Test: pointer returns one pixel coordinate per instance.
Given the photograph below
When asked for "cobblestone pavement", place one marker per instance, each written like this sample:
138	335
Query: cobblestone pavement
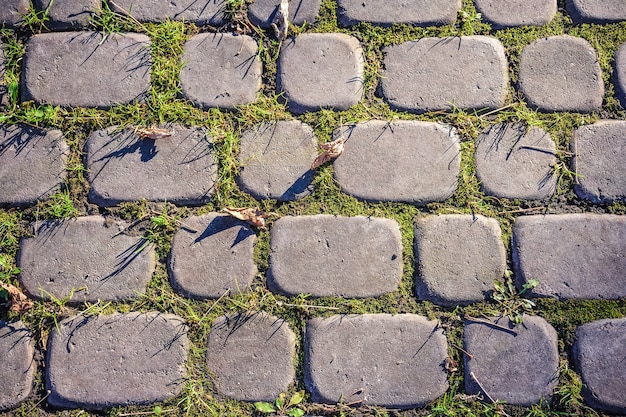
396	361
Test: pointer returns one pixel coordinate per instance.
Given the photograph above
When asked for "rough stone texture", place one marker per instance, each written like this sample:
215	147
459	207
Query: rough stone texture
212	254
105	361
561	73
17	364
328	256
69	14
458	258
276	160
572	255
519	366
442	73
620	74
514	161
502	14
320	70
32	164
597	352
388	12
78	69
262	12
180	169
377	359
596	11
406	161
12	11
221	70
599	158
205	12
251	356
85	255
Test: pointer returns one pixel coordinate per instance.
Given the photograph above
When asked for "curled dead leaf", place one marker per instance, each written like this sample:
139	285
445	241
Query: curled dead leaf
450	364
254	216
153	132
19	302
281	22
331	151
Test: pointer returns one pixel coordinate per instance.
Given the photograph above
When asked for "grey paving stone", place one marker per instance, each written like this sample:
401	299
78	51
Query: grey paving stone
212	254
32	164
599	157
406	161
85	255
210	12
69	14
561	73
442	73
320	70
458	258
515	161
276	160
596	11
262	12
251	356
332	256
572	255
517	12
386	13
78	69
221	70
12	11
17	364
597	352
121	166
620	74
376	359
122	359
519	366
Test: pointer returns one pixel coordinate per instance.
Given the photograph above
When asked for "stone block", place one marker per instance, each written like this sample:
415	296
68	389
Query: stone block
12	11
517	12
17	364
69	14
596	11
262	12
207	12
388	12
620	74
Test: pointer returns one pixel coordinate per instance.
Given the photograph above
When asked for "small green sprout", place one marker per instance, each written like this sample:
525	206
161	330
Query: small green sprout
281	407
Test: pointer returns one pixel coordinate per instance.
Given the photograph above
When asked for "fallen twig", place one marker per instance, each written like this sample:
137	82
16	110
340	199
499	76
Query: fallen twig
490	323
481	387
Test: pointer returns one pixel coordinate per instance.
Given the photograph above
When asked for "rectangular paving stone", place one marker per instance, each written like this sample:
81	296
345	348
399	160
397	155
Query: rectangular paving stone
469	72
515	364
599	158
250	356
596	11
275	160
458	258
561	73
577	256
17	364
404	161
116	360
620	74
320	71
597	352
88	255
262	12
221	70
122	166
375	359
503	14
206	12
388	12
12	11
332	256
212	254
32	164
80	69
69	14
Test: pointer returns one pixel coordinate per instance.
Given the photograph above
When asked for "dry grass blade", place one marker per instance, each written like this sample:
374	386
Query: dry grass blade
19	302
254	216
281	22
331	151
153	133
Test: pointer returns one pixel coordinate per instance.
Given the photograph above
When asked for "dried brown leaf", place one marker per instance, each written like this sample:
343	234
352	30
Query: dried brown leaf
281	22
331	151
153	133
254	216
19	302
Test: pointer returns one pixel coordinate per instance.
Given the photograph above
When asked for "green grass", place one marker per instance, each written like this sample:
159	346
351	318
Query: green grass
158	222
